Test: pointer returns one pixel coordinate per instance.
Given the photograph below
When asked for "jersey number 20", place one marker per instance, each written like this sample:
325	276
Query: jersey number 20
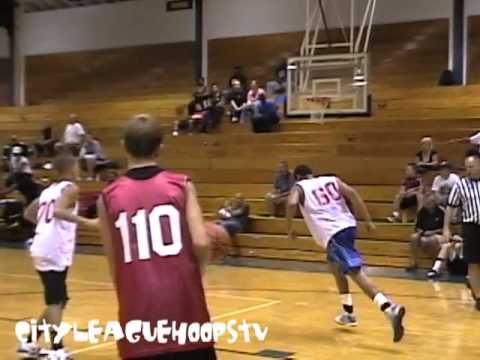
143	223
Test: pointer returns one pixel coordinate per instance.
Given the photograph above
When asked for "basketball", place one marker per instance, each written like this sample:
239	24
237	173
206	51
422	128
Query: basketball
220	240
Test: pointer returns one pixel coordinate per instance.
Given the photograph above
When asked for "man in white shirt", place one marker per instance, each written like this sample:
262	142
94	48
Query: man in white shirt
74	135
444	182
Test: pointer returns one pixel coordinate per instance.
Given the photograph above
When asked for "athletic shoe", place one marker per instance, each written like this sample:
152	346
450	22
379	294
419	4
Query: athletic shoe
60	354
28	350
346	319
433	274
395	314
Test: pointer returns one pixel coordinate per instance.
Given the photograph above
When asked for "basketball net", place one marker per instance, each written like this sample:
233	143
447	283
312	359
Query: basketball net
318	107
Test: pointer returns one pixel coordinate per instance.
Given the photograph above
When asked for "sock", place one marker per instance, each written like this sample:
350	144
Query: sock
437	266
382	301
347	303
55	346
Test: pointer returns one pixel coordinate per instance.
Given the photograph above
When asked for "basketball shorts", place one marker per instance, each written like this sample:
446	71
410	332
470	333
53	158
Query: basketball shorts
54	286
471	243
201	354
341	250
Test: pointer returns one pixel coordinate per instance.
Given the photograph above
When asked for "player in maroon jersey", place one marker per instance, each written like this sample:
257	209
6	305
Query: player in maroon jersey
156	243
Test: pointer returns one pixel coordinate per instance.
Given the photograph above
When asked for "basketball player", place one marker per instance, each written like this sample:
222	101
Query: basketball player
323	203
156	243
56	219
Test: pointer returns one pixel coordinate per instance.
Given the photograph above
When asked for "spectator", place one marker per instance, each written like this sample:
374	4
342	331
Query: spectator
238	74
428	234
216	108
74	135
276	200
91	155
7	150
18	162
427	157
238	100
409	196
234	215
443	183
266	116
46	146
253	100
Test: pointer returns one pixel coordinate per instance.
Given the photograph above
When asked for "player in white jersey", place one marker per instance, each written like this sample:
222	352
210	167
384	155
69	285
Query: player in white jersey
56	219
324	203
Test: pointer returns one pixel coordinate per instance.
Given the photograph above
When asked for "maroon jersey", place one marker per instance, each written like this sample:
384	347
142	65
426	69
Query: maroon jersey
157	274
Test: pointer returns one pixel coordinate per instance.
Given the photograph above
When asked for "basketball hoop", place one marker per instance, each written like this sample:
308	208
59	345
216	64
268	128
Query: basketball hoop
318	106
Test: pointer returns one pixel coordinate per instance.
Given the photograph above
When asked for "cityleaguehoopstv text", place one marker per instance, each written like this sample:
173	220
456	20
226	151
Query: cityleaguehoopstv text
134	331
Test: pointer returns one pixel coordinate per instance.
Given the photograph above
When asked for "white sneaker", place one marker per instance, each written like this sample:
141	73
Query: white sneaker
395	313
28	350
346	319
61	354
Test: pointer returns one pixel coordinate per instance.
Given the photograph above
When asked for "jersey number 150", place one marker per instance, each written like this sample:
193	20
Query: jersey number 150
143	224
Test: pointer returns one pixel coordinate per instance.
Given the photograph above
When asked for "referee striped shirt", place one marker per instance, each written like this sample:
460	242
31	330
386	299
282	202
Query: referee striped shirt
466	195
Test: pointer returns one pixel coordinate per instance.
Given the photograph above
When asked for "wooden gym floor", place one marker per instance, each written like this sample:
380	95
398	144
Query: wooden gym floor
298	308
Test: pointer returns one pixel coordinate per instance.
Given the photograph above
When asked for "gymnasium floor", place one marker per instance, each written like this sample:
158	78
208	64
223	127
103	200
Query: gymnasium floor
298	308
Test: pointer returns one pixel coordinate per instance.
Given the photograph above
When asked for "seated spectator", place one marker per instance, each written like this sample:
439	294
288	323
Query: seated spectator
238	100
443	183
74	135
18	162
46	146
266	116
216	108
91	155
428	234
427	157
234	216
239	75
276	88
276	200
25	184
409	196
7	150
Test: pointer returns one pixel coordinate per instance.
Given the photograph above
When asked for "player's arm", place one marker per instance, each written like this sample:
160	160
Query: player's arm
359	206
106	236
292	204
65	204
31	212
201	242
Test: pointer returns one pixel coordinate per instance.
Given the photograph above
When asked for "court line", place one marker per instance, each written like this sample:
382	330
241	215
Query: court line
214	318
229	296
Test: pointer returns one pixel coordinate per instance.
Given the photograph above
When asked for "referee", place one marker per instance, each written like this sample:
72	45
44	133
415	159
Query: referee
466	195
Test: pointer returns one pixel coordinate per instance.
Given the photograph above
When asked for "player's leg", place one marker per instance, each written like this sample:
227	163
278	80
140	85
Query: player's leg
342	250
474	280
348	317
395	217
392	311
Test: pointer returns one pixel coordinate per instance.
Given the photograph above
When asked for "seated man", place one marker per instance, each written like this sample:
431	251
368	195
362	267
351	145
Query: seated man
428	234
238	100
46	145
277	199
91	155
443	183
266	116
234	216
409	196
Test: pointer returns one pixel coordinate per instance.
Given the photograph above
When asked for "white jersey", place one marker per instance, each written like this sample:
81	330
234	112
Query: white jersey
54	240
324	209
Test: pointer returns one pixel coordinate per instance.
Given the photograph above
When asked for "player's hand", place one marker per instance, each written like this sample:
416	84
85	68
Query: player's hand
292	235
371	226
447	234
